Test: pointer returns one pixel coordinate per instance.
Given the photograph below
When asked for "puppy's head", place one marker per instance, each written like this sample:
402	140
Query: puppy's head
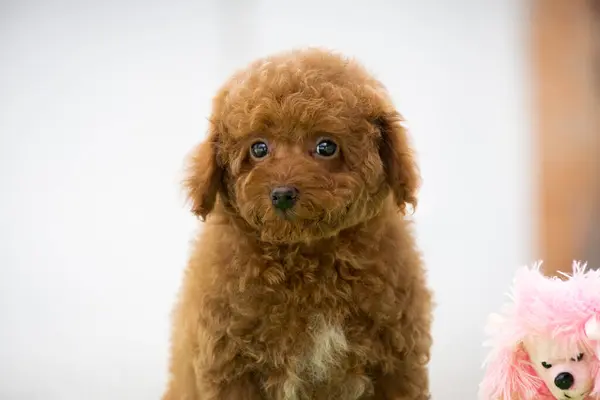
302	145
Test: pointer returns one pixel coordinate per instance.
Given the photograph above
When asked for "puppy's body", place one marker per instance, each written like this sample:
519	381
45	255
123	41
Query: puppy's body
327	300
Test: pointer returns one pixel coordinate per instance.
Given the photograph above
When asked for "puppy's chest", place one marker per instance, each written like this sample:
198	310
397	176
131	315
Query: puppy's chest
327	347
309	343
304	340
305	335
319	362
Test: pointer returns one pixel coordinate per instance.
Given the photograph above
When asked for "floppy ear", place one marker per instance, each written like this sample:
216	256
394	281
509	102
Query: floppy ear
398	160
203	176
509	375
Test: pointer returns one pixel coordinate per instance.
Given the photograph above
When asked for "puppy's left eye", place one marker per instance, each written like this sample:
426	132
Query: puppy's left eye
578	358
326	148
259	149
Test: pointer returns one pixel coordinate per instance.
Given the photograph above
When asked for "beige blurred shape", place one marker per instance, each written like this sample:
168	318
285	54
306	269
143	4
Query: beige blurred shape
566	94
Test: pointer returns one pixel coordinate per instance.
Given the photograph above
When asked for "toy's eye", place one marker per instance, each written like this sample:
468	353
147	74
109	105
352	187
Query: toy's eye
578	358
259	149
546	365
326	148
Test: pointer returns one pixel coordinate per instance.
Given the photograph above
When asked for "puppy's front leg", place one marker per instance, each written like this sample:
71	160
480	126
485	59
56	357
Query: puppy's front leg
408	343
194	376
408	383
224	378
241	389
204	364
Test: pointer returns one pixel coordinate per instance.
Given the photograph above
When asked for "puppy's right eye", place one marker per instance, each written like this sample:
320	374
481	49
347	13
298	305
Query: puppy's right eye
546	365
326	148
259	150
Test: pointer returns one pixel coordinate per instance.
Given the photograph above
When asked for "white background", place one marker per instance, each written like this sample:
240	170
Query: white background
100	102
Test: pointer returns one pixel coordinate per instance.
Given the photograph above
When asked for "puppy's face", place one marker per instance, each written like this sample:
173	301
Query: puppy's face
302	147
304	185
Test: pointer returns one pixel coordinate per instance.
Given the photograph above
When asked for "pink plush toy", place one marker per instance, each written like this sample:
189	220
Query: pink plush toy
546	342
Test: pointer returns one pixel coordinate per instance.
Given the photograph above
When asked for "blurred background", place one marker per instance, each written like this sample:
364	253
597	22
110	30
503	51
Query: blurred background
101	100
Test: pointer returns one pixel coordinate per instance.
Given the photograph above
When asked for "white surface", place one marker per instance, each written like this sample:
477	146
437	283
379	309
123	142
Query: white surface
100	101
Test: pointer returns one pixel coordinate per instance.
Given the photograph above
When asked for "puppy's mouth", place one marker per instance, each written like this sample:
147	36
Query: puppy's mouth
282	215
291	216
287	215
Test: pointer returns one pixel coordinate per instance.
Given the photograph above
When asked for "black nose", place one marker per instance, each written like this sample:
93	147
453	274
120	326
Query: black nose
284	197
564	380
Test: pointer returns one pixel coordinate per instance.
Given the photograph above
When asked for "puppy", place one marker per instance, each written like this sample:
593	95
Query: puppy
305	282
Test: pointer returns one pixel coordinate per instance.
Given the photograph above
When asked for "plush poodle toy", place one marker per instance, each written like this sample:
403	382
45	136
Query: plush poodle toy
545	343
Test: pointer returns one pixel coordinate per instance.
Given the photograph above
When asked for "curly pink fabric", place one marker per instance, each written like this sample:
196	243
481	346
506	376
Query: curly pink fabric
540	308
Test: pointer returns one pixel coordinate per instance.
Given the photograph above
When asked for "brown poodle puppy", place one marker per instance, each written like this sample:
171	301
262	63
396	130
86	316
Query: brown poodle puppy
305	282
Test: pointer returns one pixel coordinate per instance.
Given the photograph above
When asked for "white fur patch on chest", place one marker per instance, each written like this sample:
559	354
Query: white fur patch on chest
329	345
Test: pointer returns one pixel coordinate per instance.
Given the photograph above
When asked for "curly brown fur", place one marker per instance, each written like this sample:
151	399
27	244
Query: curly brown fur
327	300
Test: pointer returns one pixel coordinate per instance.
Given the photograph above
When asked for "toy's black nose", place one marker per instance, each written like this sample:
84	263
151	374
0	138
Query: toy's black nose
284	197
564	381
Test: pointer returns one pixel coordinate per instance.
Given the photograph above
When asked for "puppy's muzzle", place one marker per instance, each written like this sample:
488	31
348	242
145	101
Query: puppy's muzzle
284	197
